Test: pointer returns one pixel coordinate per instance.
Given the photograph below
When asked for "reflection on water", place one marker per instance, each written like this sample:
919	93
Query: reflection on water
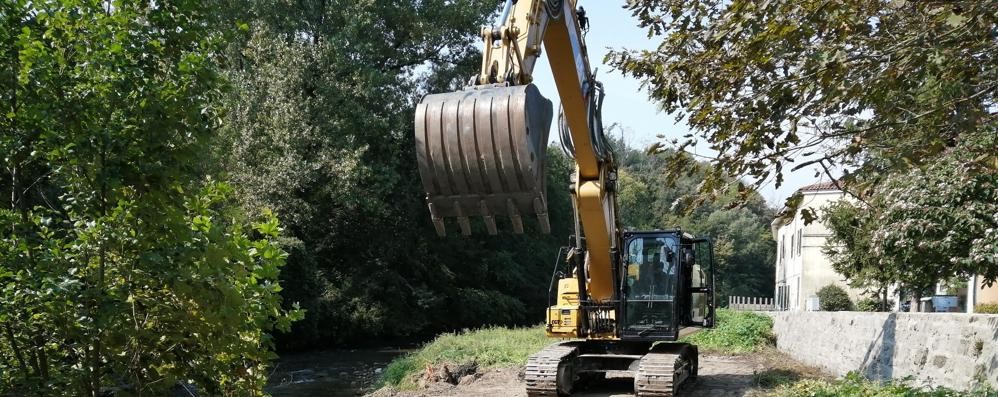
336	373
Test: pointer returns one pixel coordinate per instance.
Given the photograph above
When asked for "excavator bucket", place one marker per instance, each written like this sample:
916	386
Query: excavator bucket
481	153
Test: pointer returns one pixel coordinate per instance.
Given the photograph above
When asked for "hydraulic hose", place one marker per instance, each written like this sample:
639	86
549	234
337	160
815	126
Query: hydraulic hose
597	136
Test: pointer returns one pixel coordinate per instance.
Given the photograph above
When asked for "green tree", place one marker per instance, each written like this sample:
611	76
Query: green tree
901	94
940	221
924	226
743	243
875	86
875	304
320	128
123	266
850	249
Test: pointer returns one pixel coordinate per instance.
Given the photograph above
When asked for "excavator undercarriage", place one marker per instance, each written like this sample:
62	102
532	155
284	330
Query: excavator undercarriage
657	370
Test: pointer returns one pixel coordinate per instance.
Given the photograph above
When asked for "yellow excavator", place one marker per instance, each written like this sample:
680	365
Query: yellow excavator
624	298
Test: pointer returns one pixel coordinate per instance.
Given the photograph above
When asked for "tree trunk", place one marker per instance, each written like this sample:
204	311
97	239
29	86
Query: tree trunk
9	332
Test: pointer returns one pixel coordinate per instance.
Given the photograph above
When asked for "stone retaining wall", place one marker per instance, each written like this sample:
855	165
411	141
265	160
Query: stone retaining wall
935	349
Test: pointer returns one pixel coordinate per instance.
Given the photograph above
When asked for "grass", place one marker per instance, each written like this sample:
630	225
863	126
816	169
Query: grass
489	347
735	333
775	377
854	385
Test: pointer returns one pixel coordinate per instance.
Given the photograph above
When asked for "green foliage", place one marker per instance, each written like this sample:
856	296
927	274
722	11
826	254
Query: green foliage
743	242
986	308
489	347
123	264
882	89
833	298
874	305
320	128
925	225
854	385
938	222
735	332
876	86
849	247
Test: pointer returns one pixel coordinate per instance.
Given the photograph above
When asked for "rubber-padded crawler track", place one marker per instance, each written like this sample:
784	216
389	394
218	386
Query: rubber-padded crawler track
541	375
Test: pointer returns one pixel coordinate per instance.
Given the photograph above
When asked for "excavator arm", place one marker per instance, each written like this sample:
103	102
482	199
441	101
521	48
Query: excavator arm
481	150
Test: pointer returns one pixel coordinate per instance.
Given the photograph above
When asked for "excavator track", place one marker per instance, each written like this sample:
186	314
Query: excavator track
661	373
546	368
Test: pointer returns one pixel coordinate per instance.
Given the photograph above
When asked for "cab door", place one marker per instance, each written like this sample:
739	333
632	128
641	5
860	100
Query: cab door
702	284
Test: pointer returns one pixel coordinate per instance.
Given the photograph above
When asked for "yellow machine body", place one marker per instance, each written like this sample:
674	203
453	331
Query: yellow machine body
563	317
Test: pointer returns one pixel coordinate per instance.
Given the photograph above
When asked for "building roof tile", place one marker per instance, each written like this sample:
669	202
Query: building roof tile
829	185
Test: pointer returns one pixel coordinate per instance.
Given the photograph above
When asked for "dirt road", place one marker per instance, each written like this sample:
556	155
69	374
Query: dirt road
720	376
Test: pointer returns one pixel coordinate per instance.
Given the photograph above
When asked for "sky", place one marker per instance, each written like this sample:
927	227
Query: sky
626	103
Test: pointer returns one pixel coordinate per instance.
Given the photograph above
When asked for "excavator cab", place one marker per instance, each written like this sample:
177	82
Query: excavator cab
668	284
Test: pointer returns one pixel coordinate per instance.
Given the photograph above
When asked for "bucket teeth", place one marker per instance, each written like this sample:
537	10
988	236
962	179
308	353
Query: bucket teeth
490	221
542	215
438	221
484	149
462	220
514	216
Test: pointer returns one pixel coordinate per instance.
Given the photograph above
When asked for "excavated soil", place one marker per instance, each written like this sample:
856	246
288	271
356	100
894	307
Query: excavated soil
720	376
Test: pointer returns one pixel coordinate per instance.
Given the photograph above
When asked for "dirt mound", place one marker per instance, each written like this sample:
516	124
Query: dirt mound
453	374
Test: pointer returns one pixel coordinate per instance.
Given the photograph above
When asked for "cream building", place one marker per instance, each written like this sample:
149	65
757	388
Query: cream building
801	266
978	293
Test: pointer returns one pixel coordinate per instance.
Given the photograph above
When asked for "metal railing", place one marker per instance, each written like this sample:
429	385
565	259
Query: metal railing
751	303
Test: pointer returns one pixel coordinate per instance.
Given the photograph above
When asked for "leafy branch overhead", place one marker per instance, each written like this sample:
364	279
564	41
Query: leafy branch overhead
849	89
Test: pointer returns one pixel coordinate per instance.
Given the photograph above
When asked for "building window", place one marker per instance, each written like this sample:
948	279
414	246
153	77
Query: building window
792	245
783	243
800	241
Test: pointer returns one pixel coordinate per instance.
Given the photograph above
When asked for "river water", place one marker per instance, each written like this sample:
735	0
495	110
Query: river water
335	373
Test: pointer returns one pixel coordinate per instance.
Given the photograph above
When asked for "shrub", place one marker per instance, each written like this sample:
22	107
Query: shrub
735	332
986	308
874	305
833	298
